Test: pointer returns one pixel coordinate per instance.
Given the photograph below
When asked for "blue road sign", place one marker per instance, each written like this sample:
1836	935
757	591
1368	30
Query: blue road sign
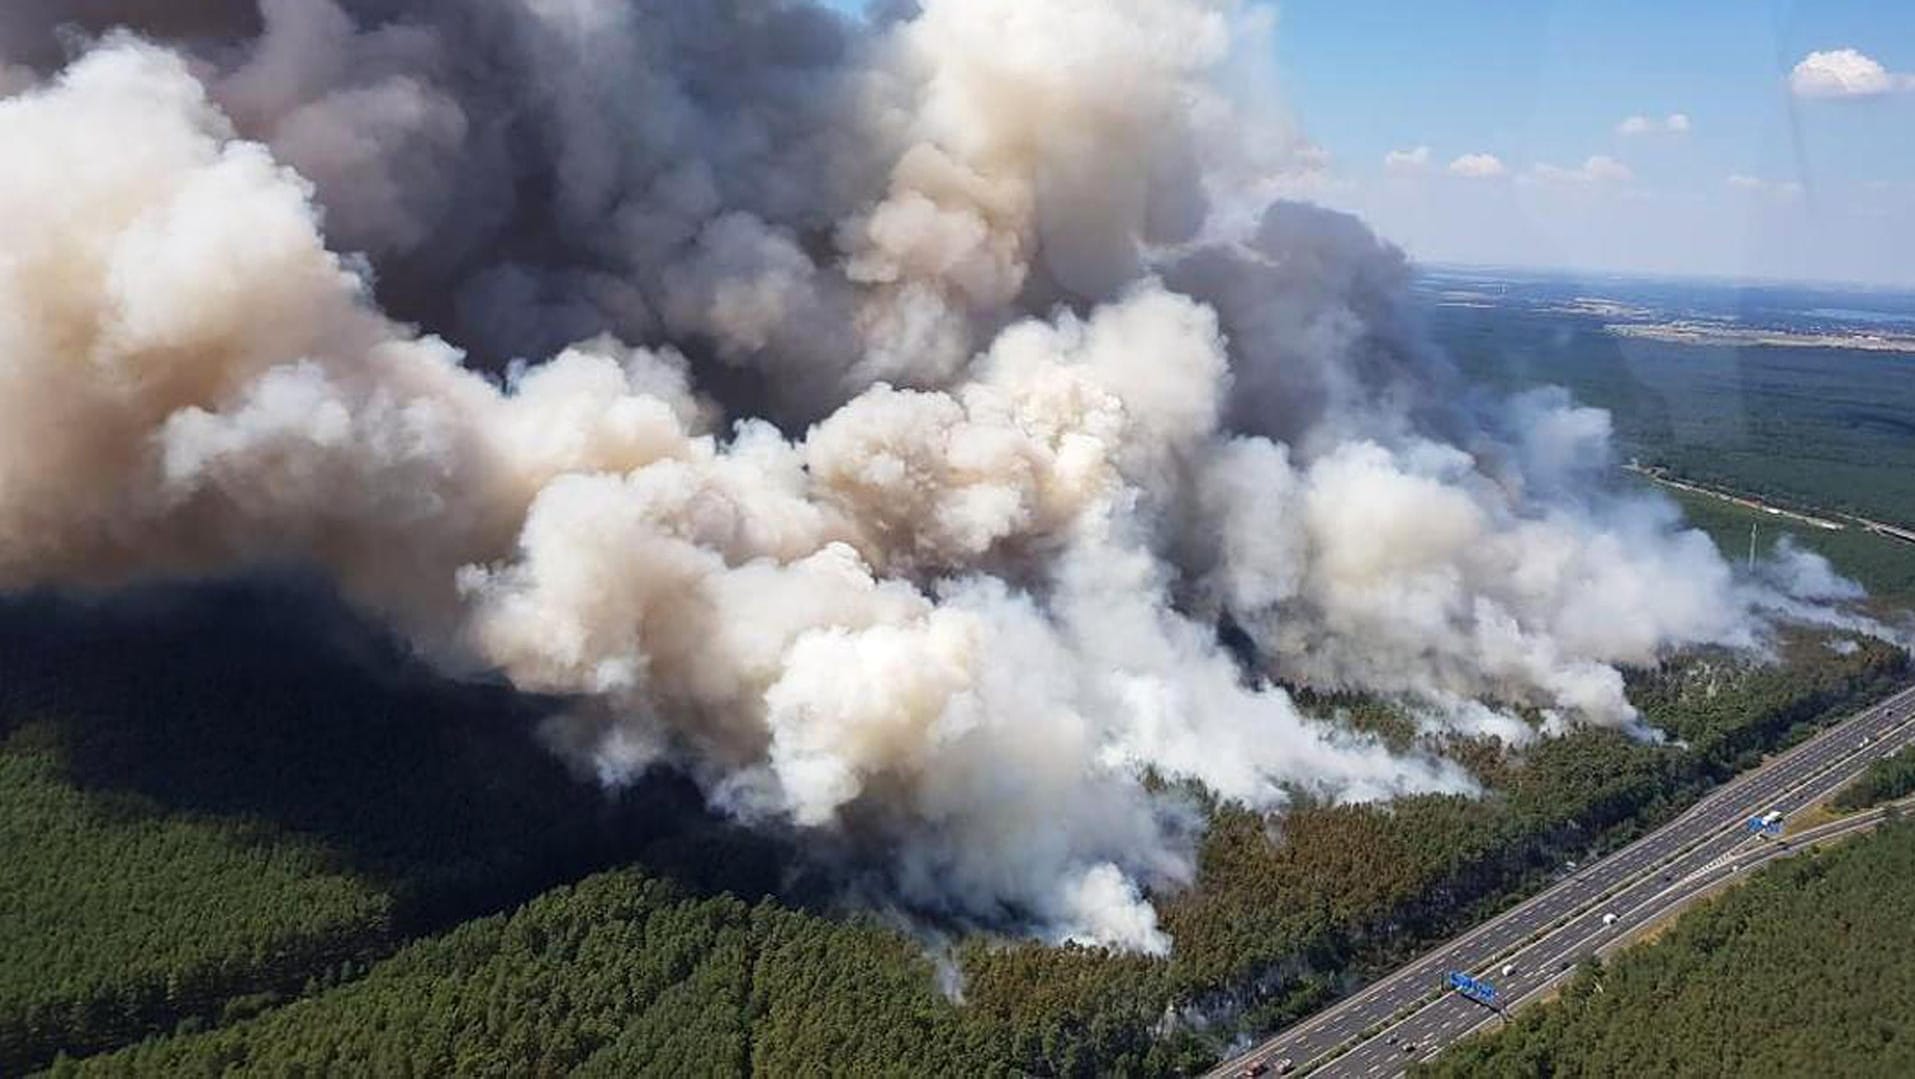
1475	988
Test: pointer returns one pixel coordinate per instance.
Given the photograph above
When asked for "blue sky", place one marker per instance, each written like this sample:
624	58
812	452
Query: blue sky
1824	186
1756	180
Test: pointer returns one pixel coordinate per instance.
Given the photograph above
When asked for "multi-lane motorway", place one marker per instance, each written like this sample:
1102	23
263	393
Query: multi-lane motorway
1408	1015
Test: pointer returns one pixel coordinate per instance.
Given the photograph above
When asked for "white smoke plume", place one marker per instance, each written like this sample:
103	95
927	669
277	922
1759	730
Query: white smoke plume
875	422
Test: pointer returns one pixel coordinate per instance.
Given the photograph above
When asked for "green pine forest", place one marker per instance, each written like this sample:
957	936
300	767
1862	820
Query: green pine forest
1806	969
244	830
1886	780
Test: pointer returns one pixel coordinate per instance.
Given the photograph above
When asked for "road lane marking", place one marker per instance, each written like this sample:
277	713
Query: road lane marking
1826	745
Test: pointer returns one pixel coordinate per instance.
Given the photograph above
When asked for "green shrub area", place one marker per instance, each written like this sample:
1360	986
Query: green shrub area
620	975
367	804
212	797
1886	779
115	913
1728	709
572	975
1806	969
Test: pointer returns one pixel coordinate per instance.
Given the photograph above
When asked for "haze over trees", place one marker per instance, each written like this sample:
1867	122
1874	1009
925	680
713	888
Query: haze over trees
1823	429
221	836
823	422
636	534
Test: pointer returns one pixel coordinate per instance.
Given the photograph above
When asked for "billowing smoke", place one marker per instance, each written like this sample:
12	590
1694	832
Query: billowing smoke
875	421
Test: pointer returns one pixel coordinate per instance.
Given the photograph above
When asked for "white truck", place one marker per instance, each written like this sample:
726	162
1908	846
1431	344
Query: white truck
1772	818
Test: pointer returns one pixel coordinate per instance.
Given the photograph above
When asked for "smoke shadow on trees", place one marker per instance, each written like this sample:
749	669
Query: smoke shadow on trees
266	699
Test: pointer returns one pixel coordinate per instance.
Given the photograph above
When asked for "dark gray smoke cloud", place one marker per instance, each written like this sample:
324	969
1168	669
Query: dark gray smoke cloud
873	420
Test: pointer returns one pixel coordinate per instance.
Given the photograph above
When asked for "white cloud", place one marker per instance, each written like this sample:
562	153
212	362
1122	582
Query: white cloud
1405	162
1845	73
1598	169
1478	166
1780	190
1676	123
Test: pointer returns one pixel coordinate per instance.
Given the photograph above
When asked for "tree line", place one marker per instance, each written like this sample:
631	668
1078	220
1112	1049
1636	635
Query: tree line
229	844
1808	968
1885	780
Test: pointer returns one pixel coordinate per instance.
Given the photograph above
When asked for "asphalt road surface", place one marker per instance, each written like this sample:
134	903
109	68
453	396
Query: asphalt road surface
1409	1014
1543	967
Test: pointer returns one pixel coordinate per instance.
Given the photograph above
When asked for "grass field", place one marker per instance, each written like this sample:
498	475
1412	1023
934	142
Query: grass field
1884	566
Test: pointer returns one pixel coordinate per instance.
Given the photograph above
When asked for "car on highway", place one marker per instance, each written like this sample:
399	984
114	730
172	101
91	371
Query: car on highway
1636	864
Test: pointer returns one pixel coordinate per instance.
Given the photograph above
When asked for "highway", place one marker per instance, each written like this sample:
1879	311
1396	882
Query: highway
1408	1015
1543	967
